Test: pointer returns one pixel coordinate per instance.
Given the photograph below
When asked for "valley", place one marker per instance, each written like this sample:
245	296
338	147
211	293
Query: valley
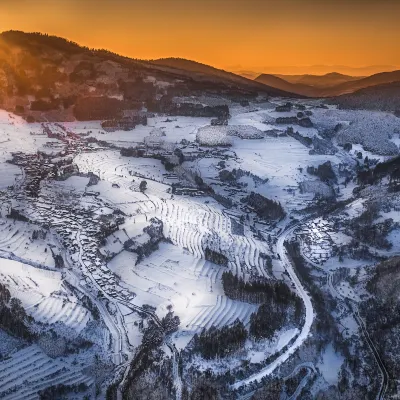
108	267
170	230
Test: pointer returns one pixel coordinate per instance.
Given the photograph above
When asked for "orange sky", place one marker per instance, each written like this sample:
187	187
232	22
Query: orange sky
235	34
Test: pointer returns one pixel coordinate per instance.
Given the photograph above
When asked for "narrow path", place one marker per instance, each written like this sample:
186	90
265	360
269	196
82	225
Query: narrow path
310	369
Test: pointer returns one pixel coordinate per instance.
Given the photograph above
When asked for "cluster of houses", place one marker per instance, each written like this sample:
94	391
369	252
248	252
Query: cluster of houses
78	228
81	234
56	164
316	241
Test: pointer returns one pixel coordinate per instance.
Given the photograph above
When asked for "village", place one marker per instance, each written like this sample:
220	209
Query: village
316	241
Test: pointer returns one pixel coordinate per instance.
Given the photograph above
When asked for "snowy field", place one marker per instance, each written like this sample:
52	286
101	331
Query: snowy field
92	228
173	276
16	237
43	294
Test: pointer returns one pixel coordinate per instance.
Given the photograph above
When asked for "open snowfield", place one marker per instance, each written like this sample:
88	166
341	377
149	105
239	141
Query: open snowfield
283	161
173	276
18	135
174	128
8	175
110	166
330	365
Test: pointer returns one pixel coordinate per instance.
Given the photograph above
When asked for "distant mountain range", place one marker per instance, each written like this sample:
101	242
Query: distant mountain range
322	81
312	70
329	85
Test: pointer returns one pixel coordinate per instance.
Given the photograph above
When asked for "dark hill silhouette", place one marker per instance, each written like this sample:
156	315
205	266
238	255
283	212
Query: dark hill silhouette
376	79
327	80
198	69
328	90
282	84
384	97
59	75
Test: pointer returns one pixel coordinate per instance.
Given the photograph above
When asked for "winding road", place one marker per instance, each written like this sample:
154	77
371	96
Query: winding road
309	312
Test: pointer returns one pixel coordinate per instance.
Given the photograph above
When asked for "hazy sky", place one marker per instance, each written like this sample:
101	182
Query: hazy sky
224	33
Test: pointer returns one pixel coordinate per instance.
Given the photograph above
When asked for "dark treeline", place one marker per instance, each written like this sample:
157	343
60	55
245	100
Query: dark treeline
215	257
13	316
170	322
214	342
323	303
60	391
132	152
264	207
382	313
364	229
17	216
389	168
150	371
233	176
324	172
280	304
273	316
256	291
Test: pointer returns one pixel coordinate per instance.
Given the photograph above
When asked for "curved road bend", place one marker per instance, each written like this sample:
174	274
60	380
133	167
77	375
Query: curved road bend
309	317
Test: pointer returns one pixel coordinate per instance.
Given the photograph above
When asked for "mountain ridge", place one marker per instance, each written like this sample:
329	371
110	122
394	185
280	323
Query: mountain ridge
382	97
59	74
330	91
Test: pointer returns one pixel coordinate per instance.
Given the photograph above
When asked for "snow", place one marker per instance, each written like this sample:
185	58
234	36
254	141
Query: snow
16	238
172	276
330	365
176	273
394	238
16	136
285	337
214	136
8	344
371	129
30	370
42	294
8	175
188	127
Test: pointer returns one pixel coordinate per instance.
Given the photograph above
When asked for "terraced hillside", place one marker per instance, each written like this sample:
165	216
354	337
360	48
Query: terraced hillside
29	370
117	245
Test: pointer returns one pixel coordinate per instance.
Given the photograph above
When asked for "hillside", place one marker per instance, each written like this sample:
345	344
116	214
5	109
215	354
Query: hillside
376	79
322	81
282	84
202	69
323	86
385	97
48	78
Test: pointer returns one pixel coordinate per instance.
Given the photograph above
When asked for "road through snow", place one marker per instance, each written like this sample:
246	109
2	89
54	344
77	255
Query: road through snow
309	317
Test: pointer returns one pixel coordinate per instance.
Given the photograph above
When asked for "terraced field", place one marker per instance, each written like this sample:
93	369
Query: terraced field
29	370
43	294
16	238
55	309
225	312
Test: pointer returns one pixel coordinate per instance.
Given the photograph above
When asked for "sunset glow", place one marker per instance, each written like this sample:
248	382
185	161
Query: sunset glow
236	34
